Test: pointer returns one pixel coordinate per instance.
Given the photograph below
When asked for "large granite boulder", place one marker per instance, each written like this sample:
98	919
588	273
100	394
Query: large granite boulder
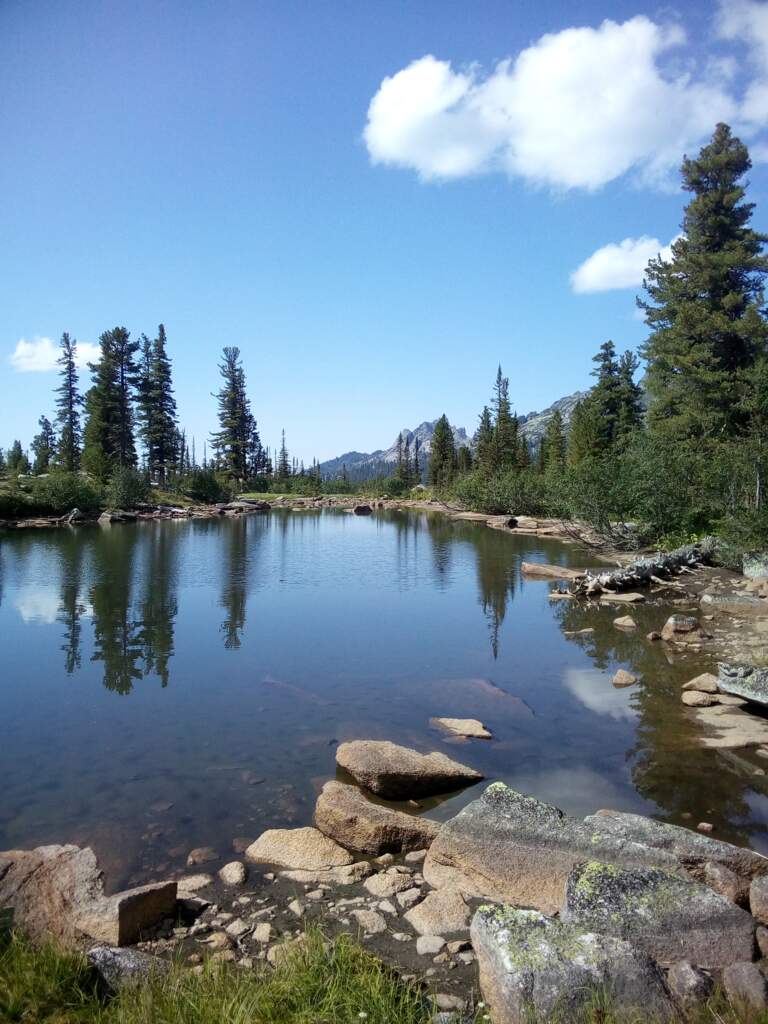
513	848
399	773
744	681
668	917
534	967
57	893
299	849
345	814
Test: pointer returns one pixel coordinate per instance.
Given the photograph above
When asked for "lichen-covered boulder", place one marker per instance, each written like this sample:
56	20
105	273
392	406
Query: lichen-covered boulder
513	848
755	564
744	681
668	917
399	773
118	967
533	966
345	814
735	604
681	629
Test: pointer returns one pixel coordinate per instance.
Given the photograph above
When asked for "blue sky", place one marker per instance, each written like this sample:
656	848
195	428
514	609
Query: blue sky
376	201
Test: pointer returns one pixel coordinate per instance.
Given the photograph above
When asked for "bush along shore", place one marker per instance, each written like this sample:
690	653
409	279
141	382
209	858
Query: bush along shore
511	911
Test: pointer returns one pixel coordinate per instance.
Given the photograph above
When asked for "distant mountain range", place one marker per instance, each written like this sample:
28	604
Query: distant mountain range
366	465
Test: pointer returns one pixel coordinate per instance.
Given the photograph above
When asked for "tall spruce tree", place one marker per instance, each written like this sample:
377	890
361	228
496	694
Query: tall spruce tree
16	460
553	445
109	437
157	407
704	305
68	404
630	398
43	446
283	468
233	440
484	442
585	439
505	447
442	460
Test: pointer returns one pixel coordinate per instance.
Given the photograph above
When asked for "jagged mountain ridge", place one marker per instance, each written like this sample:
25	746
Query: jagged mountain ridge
366	465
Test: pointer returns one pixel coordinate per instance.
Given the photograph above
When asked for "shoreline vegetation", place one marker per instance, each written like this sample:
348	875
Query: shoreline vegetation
659	461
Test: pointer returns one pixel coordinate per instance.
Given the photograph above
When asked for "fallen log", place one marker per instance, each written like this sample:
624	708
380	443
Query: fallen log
643	571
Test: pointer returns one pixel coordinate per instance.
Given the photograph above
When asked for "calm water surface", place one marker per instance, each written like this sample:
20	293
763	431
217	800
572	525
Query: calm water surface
178	684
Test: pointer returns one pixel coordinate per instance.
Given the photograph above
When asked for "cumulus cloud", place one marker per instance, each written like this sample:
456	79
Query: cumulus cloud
39	355
746	21
576	109
618	265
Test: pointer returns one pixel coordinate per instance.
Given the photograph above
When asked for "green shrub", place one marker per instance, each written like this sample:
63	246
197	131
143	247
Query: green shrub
60	492
521	492
127	488
206	486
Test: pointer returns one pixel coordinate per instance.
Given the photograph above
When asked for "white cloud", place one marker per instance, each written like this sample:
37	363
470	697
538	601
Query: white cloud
576	109
618	265
40	354
746	22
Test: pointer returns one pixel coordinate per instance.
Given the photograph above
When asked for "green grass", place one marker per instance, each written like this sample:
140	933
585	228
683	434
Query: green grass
337	983
317	982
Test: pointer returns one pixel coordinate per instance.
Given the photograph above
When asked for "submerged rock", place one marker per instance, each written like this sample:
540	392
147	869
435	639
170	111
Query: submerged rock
669	917
399	773
731	728
623	678
345	814
682	629
511	847
467	727
553	572
531	965
303	849
744	681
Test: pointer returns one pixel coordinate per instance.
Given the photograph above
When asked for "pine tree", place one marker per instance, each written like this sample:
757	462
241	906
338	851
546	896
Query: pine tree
585	439
442	461
157	407
484	442
463	460
704	306
43	446
68	404
505	446
399	464
630	398
416	461
605	394
234	439
108	437
3	464
407	468
283	468
553	445
16	459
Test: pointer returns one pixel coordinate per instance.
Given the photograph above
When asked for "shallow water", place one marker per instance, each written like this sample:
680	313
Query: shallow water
177	684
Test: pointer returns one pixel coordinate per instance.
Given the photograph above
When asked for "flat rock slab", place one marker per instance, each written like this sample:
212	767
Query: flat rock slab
550	572
57	893
399	773
346	874
730	728
744	681
304	849
442	912
346	815
513	848
631	598
668	917
534	967
470	728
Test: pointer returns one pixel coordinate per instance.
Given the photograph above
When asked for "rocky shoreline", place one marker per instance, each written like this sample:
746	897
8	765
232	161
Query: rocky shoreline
511	901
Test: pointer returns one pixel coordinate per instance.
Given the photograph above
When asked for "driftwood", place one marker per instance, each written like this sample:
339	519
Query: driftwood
641	571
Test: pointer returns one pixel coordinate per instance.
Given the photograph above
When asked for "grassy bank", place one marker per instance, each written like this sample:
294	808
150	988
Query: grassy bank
338	984
315	983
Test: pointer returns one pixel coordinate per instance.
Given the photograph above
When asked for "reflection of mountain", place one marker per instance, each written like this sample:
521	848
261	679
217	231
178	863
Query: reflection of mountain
668	766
